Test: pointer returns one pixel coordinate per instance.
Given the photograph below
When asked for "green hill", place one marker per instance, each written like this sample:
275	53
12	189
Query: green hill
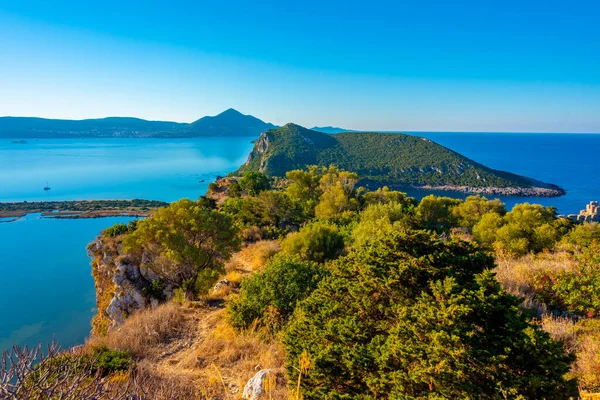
386	159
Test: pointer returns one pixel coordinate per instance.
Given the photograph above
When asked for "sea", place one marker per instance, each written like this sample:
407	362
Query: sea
46	288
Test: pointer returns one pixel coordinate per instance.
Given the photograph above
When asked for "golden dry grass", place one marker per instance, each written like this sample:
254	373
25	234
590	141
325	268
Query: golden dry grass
196	345
254	256
517	274
144	332
582	338
225	359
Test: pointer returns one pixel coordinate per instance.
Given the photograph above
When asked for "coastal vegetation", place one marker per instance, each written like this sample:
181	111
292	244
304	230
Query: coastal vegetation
321	288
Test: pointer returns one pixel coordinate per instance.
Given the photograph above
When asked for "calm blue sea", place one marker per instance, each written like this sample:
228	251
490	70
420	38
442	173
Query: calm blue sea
46	287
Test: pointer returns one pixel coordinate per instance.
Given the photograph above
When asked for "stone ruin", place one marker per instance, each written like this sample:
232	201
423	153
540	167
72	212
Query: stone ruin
590	214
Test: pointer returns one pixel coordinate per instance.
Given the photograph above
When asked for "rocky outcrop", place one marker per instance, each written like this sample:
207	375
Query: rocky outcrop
261	146
122	285
254	387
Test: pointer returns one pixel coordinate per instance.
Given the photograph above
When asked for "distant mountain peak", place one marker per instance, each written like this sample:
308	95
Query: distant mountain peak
230	122
230	111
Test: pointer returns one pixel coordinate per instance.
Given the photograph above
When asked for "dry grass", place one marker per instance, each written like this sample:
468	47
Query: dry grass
581	338
142	334
516	275
236	356
254	256
197	346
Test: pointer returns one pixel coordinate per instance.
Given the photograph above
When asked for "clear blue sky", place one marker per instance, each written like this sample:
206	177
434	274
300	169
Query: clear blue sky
388	65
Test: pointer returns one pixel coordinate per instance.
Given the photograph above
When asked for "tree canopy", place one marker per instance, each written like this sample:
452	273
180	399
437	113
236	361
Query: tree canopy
179	241
408	316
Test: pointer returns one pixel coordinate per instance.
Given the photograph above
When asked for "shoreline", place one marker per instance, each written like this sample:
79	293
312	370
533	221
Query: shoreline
78	209
490	191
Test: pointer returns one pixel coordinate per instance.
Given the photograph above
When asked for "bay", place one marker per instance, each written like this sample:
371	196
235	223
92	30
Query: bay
46	287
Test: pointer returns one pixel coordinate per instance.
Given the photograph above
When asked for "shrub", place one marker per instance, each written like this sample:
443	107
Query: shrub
337	189
379	220
254	182
470	211
576	290
272	213
317	242
205	281
108	361
268	298
155	290
116	230
178	242
526	228
582	235
435	213
213	187
411	317
234	189
384	196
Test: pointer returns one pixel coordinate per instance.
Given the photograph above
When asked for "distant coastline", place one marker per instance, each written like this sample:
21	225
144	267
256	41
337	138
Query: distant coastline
80	209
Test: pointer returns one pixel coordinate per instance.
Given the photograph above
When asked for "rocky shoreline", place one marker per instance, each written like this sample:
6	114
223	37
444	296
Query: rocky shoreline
488	191
499	191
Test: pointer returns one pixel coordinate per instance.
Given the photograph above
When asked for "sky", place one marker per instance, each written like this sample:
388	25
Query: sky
522	66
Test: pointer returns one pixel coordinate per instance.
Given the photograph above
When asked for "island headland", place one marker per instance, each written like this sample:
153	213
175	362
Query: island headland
395	160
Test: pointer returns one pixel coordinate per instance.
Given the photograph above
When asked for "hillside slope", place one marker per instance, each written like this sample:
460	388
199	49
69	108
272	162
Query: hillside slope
386	159
229	123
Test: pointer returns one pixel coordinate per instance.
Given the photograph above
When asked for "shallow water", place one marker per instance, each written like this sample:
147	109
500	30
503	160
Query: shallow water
46	285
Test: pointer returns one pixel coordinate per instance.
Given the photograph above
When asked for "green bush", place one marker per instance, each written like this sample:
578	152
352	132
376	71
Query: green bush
411	317
254	183
205	281
317	242
379	220
116	230
435	213
470	211
213	187
268	298
576	291
526	228
108	361
582	236
234	189
182	240
271	211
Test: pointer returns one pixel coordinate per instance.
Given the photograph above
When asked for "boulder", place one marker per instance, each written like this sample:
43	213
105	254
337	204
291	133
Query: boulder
254	387
220	284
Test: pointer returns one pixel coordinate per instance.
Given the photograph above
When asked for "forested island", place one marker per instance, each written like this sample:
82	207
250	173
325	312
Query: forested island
81	208
393	160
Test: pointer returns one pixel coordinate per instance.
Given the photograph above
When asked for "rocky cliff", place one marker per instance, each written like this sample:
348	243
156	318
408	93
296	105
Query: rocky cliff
122	285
